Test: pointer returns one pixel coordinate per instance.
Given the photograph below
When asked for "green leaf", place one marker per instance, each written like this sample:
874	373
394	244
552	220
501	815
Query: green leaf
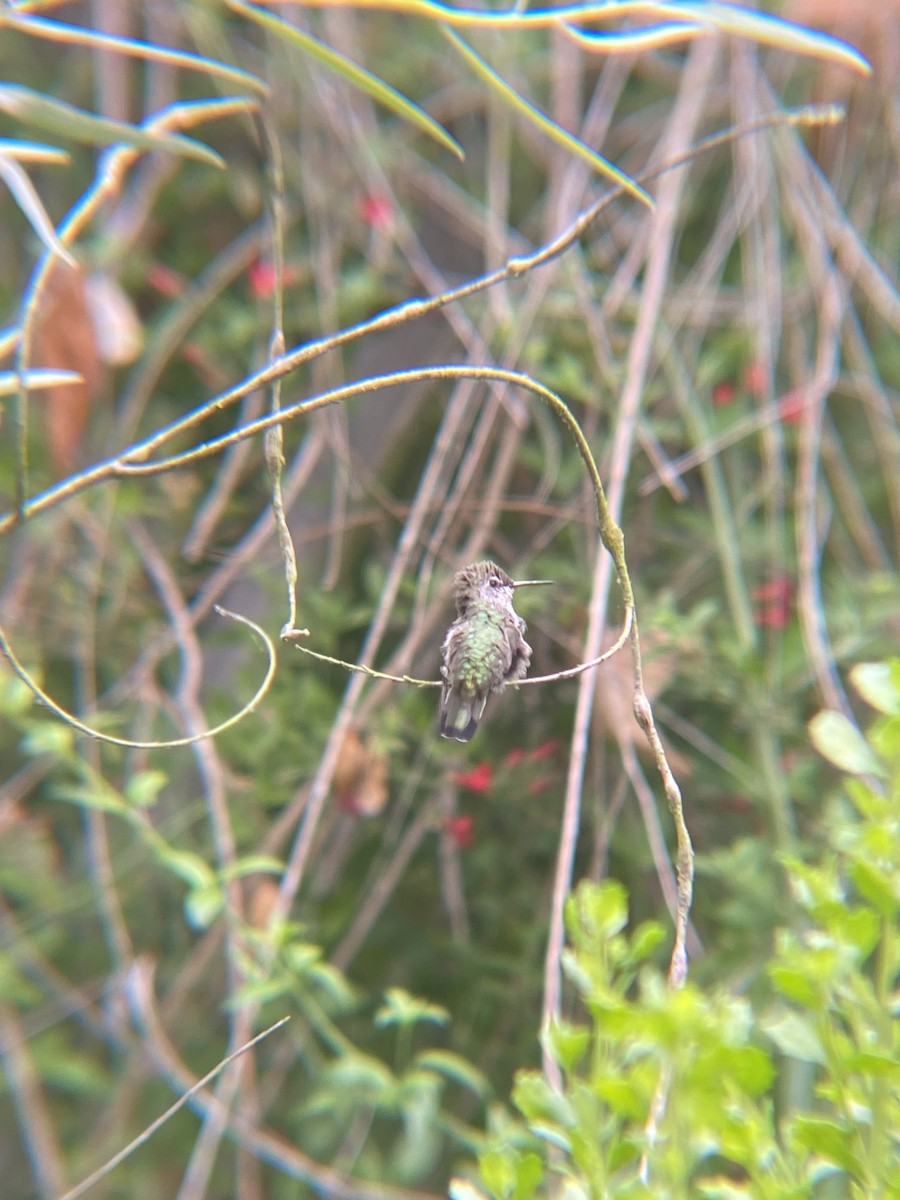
98	796
358	76
826	1138
857	927
529	1172
64	120
750	1068
498	1170
142	789
879	685
623	1095
645	939
253	864
795	1037
258	992
568	1043
453	1066
880	888
16	697
363	1074
553	1135
597	911
536	1100
794	984
406	1010
49	737
882	1066
187	866
837	739
301	957
203	904
333	982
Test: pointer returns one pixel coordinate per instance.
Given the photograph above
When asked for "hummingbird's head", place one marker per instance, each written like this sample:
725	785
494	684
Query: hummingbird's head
482	580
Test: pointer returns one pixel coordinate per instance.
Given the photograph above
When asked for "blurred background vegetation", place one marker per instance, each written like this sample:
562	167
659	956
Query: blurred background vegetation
733	359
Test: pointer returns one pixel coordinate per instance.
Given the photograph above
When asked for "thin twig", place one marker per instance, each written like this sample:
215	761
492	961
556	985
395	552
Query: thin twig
268	1147
74	723
209	765
30	1106
555	677
409	310
190	1094
684	119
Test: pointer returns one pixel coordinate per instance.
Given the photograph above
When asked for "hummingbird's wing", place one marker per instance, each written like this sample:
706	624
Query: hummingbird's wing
466	686
519	653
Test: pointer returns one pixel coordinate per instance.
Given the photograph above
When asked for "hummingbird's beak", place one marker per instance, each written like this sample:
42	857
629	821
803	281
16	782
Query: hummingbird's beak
532	582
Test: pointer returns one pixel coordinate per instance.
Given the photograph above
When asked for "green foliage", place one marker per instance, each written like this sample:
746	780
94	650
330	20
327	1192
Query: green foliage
410	958
688	1093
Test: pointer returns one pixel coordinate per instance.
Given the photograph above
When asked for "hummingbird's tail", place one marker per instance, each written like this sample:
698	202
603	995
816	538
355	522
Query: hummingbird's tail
459	715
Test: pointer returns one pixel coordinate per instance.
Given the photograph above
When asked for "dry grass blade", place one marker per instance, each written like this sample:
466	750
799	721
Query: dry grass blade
32	152
65	120
36	380
356	75
520	105
29	201
74	35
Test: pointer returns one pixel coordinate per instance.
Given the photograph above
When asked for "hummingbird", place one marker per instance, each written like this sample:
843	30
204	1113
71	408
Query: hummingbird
484	649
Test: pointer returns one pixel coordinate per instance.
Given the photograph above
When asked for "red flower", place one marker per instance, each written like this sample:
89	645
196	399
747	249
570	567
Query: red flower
514	758
479	779
461	830
539	785
791	406
723	393
377	211
262	278
545	750
775	602
166	281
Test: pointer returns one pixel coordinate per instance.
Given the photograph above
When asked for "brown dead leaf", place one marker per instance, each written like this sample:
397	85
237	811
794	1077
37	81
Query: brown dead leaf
372	792
263	893
117	326
613	712
64	339
360	781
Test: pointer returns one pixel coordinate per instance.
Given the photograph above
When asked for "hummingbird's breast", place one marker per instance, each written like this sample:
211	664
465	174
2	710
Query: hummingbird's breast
481	650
